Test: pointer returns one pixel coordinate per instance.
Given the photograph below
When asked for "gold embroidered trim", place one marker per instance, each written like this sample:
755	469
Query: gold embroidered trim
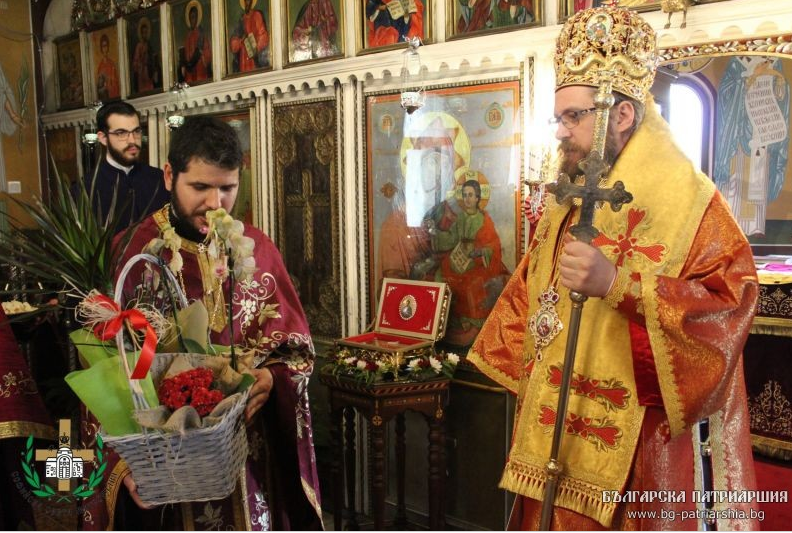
719	464
665	371
310	493
572	494
776	448
239	503
212	290
163	220
780	327
621	286
11	429
188	520
501	378
245	505
113	485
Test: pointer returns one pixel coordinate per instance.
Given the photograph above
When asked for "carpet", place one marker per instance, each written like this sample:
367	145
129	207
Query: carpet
773	475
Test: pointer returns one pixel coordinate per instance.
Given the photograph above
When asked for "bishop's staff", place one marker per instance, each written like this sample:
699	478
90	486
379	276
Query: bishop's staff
594	169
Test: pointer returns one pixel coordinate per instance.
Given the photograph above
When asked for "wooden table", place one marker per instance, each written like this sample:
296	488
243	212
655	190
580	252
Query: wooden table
379	403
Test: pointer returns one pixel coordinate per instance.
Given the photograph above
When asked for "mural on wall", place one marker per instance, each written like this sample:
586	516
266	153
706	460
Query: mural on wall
389	22
247	24
315	30
306	181
143	49
479	16
752	138
18	125
443	188
70	82
104	52
191	41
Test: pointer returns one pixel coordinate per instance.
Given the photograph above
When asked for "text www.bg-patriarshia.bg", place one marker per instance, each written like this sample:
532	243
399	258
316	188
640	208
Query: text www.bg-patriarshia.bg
697	514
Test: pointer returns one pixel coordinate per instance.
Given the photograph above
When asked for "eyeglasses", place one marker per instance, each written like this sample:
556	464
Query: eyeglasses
570	119
123	135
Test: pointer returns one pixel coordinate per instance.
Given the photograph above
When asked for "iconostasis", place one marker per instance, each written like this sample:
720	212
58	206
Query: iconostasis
336	171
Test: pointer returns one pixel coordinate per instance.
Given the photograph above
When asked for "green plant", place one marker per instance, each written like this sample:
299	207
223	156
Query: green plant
72	250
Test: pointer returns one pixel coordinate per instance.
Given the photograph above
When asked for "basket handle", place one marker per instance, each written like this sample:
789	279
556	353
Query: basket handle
137	391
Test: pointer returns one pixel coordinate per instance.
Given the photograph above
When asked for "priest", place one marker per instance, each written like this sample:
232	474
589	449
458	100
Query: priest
269	330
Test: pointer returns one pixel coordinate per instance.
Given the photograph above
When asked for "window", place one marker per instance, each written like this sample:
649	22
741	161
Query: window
687	121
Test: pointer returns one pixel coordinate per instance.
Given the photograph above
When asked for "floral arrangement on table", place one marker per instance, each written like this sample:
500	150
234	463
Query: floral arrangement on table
371	366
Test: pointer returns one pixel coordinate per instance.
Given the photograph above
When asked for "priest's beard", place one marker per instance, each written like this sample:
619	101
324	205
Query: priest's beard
180	220
123	158
572	154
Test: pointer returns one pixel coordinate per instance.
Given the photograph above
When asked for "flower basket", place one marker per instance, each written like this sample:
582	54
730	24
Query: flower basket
195	464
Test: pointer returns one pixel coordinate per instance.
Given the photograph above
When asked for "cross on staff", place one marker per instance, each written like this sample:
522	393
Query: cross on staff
64	441
594	168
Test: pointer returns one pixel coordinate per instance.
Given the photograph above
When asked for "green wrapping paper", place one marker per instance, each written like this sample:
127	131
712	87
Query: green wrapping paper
104	386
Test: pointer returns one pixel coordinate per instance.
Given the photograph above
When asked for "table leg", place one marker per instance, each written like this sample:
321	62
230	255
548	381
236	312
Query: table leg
436	472
400	521
377	433
349	417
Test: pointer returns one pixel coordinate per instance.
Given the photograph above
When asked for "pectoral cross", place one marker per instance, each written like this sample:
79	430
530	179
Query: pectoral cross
64	441
594	168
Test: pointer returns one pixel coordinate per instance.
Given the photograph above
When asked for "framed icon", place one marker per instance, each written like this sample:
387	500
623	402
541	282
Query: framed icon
191	41
444	194
70	81
387	24
314	30
144	48
247	36
104	56
475	17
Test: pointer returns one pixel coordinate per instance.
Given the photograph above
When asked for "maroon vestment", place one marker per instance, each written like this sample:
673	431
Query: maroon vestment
281	489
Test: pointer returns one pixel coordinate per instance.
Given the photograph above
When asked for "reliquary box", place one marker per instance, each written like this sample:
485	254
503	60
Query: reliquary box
411	317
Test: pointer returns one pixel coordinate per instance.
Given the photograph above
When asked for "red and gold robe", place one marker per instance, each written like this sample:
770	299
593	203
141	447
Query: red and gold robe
198	52
22	414
659	353
281	489
107	79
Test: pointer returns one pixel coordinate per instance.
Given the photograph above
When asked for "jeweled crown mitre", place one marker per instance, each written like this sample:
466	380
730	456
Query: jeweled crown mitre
607	43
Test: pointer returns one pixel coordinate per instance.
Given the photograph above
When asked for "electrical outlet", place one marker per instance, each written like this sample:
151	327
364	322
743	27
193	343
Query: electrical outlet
14	187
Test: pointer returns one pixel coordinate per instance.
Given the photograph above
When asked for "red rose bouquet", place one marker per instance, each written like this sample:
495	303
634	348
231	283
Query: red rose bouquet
192	387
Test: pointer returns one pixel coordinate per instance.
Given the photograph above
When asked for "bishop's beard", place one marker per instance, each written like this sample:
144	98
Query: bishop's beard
572	154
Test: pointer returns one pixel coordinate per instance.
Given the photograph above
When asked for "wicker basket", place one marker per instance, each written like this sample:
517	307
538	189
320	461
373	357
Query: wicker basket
198	465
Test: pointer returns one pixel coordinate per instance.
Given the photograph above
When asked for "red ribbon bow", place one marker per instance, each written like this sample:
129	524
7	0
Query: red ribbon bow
110	328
